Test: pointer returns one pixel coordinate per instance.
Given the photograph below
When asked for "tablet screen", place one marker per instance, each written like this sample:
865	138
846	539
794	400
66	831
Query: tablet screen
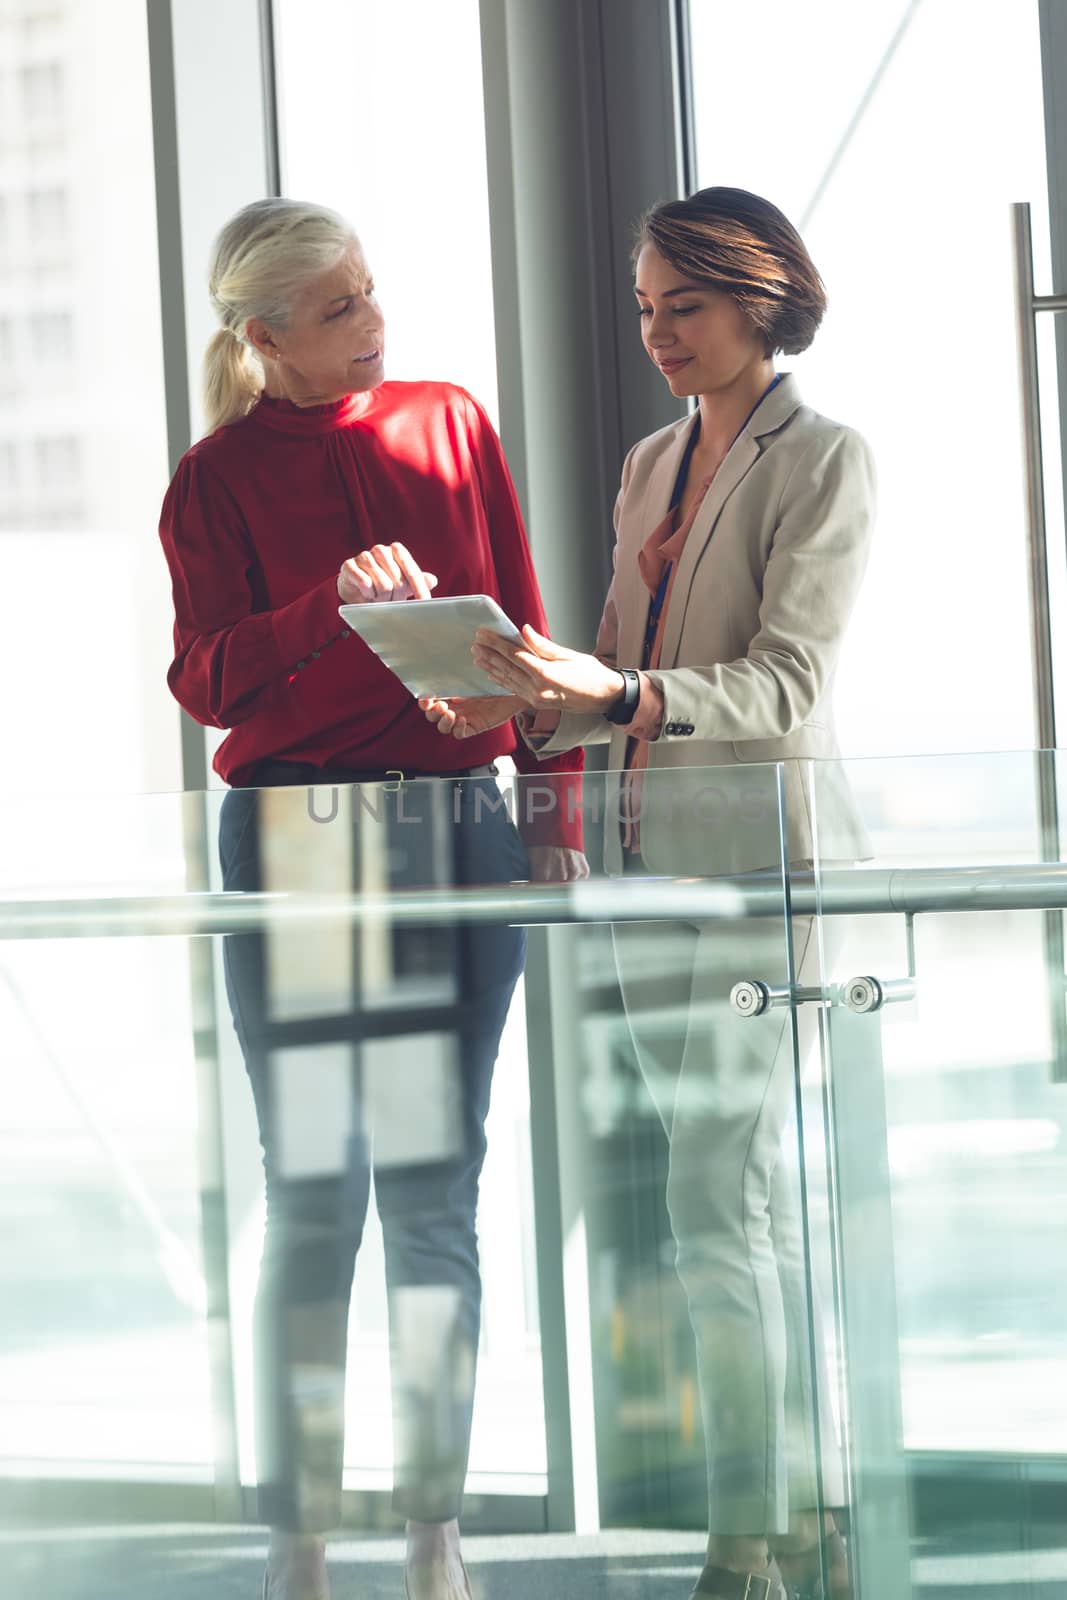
427	643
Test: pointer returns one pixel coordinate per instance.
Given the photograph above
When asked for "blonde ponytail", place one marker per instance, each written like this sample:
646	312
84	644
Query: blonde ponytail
261	259
232	379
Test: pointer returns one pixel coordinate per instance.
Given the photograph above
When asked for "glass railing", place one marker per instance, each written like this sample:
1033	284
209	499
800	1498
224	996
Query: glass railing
945	1099
770	1211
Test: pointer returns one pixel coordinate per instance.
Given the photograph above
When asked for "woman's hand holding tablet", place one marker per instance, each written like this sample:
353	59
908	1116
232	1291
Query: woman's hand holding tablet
427	644
466	717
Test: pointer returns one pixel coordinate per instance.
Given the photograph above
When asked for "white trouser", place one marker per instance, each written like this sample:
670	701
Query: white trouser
725	1089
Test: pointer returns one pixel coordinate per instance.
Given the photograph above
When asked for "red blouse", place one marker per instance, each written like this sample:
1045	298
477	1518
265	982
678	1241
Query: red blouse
255	526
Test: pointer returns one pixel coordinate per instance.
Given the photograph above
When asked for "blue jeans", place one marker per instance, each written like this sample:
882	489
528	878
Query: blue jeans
424	1146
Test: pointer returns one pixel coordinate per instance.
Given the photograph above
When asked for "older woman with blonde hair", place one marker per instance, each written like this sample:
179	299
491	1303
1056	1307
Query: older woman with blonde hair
319	483
742	534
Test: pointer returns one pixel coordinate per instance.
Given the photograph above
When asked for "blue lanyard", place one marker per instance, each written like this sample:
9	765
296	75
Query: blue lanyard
683	470
676	499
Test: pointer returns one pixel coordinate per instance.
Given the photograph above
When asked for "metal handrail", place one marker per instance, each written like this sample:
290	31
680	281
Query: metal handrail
854	891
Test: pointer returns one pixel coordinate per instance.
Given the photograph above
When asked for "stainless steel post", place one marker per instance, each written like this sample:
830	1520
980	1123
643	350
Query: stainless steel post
1027	306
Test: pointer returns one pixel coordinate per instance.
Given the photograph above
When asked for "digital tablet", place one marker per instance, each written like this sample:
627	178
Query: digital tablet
427	643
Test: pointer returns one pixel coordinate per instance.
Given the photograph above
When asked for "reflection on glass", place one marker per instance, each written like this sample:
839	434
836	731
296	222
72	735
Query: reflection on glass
715	1406
722	1087
370	1054
918	1177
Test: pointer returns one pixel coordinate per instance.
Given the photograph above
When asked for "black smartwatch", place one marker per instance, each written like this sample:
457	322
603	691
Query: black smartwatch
624	709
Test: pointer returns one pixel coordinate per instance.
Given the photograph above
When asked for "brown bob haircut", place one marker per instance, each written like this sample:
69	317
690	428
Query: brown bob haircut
743	246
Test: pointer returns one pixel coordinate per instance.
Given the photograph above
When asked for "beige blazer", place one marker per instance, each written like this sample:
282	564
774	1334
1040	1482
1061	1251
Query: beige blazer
761	600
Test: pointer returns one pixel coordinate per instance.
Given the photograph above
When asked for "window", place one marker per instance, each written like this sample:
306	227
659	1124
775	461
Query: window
875	136
47	215
41	91
58	464
52	336
99	1140
36	21
419	204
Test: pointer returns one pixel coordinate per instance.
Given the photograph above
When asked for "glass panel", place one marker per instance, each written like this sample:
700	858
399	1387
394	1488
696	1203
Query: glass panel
402	984
368	1027
704	1374
102	1275
873	132
946	1155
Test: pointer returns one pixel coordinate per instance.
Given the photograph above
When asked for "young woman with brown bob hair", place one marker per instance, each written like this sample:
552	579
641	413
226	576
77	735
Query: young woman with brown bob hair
742	534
